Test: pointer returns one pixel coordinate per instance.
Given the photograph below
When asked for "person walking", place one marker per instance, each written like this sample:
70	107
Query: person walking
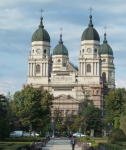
73	143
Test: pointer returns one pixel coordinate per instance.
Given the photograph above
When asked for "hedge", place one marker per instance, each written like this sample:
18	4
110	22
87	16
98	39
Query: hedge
23	139
14	146
110	146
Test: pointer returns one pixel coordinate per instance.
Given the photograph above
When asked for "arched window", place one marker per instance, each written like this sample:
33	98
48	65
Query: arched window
83	50
88	68
33	51
104	77
38	68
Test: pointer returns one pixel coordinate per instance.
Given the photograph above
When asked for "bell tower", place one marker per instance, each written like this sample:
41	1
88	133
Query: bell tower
40	60
89	58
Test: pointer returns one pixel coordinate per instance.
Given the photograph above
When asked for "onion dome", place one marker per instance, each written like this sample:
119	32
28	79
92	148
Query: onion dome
105	48
60	49
90	33
41	34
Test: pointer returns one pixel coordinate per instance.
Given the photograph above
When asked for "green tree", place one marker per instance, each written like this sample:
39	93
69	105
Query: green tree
114	104
58	120
33	106
123	123
117	122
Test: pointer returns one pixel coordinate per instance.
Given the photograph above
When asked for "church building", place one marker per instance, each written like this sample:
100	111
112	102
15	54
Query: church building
53	72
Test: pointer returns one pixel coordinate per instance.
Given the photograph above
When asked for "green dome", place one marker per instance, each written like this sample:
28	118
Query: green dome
60	49
105	48
41	34
90	33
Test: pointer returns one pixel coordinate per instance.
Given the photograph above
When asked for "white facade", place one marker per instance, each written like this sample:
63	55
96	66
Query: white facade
57	75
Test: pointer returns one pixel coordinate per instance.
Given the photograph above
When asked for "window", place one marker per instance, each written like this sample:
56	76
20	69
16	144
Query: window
104	77
97	92
59	60
104	60
83	50
95	50
45	51
38	69
88	68
33	51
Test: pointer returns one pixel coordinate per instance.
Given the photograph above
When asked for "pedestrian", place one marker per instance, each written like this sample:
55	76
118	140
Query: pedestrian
73	143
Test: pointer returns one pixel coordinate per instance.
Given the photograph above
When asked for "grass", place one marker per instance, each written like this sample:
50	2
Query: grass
92	140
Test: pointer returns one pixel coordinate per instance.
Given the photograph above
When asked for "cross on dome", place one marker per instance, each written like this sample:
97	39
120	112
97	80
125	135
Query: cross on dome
61	30
105	28
90	9
41	11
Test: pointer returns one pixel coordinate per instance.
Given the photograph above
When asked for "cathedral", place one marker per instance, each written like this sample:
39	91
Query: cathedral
69	84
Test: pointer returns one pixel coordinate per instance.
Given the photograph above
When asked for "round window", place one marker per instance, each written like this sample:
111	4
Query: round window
59	60
104	60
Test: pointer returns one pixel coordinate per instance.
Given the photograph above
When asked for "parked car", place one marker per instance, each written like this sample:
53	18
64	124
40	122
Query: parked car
32	134
80	135
16	133
69	135
74	134
50	135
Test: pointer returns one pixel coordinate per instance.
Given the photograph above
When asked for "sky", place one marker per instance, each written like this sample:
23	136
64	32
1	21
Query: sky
19	19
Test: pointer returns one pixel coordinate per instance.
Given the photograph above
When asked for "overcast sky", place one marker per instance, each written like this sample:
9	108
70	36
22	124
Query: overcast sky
20	18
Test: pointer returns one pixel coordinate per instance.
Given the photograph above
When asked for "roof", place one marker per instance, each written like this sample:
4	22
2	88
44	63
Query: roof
105	48
90	33
41	34
60	49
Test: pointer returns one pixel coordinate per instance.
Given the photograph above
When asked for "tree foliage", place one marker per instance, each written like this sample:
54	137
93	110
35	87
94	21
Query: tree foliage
123	123
90	116
114	104
117	135
32	106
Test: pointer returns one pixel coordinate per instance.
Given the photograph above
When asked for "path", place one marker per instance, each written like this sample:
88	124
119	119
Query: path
59	144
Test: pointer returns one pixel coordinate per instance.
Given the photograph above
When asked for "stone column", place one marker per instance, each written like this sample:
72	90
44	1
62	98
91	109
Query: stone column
47	68
98	69
41	69
44	69
28	69
81	68
95	68
34	69
84	68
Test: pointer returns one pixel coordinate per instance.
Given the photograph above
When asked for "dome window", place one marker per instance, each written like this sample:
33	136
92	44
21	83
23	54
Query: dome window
95	50
44	50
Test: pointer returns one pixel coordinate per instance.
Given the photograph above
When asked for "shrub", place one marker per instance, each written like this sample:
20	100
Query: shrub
117	135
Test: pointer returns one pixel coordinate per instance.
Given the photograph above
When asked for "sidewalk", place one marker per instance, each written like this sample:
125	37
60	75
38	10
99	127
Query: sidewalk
59	144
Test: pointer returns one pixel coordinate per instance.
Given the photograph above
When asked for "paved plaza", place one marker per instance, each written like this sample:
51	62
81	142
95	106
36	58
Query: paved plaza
59	144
